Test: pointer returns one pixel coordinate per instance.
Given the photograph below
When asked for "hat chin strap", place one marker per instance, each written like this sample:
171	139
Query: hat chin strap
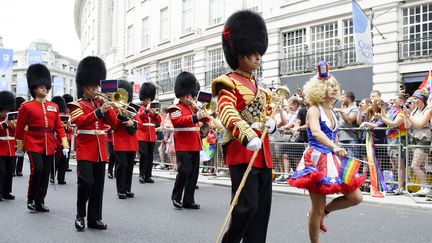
250	64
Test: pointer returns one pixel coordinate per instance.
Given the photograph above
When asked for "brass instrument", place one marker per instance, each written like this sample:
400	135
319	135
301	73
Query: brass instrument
119	100
215	121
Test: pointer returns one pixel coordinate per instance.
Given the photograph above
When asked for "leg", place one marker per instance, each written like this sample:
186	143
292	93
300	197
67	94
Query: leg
36	170
129	170
184	169
244	212
10	168
149	161
85	185
96	197
257	231
316	214
143	151
3	162
47	164
189	192
347	200
111	159
121	171
61	168
19	166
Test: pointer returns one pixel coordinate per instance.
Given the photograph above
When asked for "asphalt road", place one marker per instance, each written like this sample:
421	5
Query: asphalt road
150	217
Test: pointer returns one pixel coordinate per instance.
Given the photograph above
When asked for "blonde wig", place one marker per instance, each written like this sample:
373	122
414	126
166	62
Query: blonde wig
316	90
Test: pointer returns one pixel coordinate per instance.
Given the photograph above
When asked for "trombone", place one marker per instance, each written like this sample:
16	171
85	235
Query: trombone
119	101
209	109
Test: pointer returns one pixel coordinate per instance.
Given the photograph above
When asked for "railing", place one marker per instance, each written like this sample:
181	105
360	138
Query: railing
307	62
415	48
212	74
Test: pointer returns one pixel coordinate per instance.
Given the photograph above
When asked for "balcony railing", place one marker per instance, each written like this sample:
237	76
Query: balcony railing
212	74
307	62
415	48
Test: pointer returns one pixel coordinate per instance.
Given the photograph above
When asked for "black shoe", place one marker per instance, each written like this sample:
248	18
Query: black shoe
68	169
42	208
9	196
177	204
19	174
52	180
79	223
121	195
31	206
191	206
98	224
196	187
130	194
141	180
13	174
110	175
149	180
62	182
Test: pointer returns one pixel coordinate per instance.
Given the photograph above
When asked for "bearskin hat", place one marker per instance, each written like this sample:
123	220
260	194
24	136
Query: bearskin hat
147	90
7	101
18	101
244	33
124	84
38	75
185	84
91	70
61	103
68	98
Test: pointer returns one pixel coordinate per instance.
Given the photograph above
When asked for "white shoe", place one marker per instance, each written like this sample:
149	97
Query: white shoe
422	192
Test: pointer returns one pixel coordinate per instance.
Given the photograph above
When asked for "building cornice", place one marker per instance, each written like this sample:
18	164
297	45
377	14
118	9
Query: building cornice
79	4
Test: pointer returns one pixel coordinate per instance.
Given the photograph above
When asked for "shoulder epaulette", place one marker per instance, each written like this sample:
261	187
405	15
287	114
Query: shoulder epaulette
172	108
221	82
74	103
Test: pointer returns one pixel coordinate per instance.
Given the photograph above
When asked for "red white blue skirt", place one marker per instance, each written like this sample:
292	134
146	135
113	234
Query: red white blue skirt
319	173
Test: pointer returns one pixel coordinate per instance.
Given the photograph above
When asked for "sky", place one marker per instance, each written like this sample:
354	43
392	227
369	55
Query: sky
22	21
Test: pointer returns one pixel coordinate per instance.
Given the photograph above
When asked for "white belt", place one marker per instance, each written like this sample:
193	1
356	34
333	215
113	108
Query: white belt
7	138
91	132
148	124
187	129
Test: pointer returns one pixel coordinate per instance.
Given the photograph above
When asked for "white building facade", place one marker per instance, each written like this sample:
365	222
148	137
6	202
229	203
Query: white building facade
154	40
61	68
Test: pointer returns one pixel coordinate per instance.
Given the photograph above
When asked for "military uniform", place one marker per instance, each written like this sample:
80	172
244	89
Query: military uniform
243	102
19	160
59	158
7	146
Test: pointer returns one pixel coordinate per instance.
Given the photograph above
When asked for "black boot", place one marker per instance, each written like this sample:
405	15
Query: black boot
79	223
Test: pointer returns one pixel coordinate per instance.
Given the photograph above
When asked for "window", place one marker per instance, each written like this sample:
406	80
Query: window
145	29
417	31
176	68
293	50
215	59
324	43
253	5
349	54
130	4
189	62
110	24
130	40
216	11
163	76
164	25
187	17
146	73
93	29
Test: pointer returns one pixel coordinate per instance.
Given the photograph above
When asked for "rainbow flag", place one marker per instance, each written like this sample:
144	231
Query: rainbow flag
427	82
208	151
376	177
349	168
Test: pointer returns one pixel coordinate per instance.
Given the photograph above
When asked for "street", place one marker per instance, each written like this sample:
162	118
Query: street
150	217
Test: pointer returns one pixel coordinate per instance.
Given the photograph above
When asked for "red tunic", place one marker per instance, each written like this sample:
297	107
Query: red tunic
235	91
184	117
123	140
146	125
7	140
91	142
42	119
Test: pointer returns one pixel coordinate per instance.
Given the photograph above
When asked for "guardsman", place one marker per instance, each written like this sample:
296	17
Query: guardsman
243	105
19	160
125	146
186	120
42	119
7	145
60	160
147	119
69	131
90	116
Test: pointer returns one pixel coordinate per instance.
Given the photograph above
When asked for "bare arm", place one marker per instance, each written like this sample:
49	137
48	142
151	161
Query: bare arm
422	121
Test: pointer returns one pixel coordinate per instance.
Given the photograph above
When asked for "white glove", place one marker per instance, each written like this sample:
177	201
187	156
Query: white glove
255	125
65	152
254	144
271	125
19	153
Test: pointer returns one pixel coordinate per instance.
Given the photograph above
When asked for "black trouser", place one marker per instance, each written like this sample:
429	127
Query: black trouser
19	164
146	158
250	217
40	167
67	159
125	161
7	167
91	179
60	166
111	158
187	176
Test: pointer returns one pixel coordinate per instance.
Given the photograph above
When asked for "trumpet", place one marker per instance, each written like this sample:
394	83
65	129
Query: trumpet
119	100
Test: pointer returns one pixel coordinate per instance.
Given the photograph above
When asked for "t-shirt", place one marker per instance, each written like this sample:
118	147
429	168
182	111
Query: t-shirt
301	115
392	132
347	134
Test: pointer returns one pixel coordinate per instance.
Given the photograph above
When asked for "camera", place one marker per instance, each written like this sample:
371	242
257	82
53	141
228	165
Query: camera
406	105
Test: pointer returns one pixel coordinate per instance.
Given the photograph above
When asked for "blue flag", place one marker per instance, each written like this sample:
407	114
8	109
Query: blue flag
362	35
